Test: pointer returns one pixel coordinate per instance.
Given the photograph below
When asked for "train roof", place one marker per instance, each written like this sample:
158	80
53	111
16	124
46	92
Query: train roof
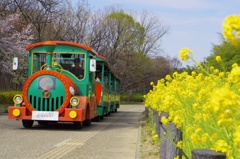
108	65
88	48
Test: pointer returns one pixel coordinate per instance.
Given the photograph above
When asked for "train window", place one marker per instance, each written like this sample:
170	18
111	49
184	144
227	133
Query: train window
75	63
39	59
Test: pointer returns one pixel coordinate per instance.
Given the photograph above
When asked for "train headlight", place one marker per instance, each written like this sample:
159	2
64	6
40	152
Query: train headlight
17	99
71	89
74	101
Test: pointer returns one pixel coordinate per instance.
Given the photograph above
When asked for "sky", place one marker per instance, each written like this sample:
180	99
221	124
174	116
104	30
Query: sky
194	24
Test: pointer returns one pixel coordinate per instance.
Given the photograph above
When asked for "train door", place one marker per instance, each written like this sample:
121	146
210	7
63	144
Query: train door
92	109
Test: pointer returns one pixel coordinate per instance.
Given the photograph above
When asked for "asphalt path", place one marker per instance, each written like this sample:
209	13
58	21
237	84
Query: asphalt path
115	137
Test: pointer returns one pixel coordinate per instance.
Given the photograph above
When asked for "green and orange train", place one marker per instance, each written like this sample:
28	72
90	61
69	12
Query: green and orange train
67	82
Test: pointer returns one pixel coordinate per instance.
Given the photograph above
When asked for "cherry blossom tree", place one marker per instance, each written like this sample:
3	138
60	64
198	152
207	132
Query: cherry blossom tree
13	38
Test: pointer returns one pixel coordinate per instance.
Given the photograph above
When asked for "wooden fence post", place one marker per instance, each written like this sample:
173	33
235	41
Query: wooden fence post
146	112
157	121
163	141
169	136
207	154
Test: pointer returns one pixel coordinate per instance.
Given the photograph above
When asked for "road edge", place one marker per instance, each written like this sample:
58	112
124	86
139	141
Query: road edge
138	147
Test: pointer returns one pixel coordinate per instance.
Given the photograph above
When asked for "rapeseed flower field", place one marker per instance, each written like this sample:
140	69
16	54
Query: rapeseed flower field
205	105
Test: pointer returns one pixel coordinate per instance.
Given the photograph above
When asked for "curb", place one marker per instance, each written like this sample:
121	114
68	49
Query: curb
138	148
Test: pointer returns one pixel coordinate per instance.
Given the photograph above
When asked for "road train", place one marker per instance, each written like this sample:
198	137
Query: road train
67	82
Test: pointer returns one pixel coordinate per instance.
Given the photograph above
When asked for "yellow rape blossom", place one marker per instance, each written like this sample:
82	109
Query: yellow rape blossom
216	71
180	144
221	74
204	106
218	58
155	137
234	65
234	75
211	68
205	137
194	73
223	146
168	77
164	120
231	28
236	136
177	157
195	139
184	54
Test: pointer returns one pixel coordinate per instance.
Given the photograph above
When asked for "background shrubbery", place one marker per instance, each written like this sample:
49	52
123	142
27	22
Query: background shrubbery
136	97
6	97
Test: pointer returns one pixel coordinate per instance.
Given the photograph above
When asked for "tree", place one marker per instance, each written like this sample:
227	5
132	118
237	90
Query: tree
229	53
175	63
127	45
119	34
77	24
13	39
131	46
154	32
41	14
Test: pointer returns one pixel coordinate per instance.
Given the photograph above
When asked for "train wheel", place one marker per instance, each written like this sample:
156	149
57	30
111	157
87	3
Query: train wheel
87	122
42	123
97	118
27	123
78	125
115	110
102	117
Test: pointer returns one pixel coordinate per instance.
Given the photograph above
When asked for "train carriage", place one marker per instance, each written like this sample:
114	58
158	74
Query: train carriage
110	95
62	85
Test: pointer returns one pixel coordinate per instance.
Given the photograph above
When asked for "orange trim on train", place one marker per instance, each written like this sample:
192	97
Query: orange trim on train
31	46
51	43
64	116
65	80
99	91
102	57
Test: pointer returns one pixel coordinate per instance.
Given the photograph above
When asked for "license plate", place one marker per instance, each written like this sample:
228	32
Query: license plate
45	115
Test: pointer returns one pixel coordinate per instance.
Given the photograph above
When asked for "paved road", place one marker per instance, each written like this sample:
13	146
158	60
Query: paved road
113	138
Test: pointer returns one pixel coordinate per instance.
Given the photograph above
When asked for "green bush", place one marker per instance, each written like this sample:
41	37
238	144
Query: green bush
135	97
6	97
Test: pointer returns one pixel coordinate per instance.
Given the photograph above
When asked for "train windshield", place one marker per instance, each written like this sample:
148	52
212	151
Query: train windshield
74	63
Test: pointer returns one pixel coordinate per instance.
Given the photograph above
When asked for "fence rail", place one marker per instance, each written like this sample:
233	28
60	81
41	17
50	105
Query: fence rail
170	135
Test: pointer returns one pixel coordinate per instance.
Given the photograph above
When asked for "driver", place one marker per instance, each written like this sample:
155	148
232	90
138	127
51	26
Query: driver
76	68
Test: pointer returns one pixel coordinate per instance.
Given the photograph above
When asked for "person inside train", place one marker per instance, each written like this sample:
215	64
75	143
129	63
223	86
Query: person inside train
98	76
76	68
106	80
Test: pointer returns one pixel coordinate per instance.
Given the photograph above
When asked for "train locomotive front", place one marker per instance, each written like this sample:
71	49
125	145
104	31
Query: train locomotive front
53	93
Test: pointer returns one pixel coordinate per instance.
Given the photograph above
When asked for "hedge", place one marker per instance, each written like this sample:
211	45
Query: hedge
6	97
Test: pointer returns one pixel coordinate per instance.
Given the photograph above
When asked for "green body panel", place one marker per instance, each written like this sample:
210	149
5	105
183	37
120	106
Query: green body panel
46	82
82	84
110	91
